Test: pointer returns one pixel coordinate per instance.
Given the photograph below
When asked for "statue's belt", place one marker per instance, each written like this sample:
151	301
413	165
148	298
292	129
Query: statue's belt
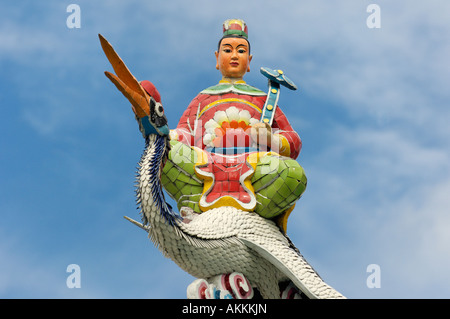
231	150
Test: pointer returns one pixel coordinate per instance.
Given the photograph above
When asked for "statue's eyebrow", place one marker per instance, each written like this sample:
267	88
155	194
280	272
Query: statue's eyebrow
239	45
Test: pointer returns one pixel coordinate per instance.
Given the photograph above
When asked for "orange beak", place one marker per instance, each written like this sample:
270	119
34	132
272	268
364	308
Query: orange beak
125	81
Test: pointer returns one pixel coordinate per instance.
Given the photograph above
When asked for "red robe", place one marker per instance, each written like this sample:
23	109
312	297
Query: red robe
218	119
191	127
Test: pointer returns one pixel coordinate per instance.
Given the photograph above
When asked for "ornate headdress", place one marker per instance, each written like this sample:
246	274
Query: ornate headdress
236	28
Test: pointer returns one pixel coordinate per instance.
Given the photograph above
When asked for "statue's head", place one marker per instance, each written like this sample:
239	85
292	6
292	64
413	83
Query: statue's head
233	53
156	117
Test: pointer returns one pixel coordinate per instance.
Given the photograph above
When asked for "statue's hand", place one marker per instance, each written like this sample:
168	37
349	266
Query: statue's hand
261	134
125	81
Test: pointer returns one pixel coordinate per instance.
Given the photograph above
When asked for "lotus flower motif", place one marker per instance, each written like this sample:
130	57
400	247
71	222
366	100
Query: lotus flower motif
229	128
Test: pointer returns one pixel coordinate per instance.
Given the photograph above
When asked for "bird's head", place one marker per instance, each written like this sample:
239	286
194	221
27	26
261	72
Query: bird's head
155	122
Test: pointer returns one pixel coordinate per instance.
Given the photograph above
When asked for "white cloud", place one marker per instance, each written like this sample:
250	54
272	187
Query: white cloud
398	72
381	196
380	177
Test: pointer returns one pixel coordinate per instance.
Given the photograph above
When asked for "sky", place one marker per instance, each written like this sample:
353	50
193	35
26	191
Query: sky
372	110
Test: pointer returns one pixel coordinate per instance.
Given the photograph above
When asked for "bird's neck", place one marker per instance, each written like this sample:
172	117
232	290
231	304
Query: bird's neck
154	208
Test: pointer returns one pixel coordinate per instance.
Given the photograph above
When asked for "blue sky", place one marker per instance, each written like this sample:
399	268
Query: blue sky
372	111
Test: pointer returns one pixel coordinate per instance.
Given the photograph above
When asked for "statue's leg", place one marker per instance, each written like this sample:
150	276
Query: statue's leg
179	179
278	182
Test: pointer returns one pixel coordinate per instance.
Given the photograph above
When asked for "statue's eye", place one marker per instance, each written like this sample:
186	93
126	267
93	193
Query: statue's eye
159	109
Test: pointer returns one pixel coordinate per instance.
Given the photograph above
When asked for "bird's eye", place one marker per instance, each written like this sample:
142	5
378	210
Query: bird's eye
159	109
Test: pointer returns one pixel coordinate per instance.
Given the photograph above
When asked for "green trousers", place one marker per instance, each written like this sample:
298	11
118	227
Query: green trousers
278	181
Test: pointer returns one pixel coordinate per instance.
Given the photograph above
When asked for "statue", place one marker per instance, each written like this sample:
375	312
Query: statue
230	166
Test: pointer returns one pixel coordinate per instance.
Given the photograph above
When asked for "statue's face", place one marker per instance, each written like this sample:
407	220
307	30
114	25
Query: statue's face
233	57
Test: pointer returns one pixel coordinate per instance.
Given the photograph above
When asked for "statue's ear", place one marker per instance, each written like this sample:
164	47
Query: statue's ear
217	59
250	57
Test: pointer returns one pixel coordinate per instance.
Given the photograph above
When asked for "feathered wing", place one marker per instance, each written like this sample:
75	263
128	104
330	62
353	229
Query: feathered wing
264	237
296	268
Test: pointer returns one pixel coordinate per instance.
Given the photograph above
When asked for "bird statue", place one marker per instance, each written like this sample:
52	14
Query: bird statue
233	253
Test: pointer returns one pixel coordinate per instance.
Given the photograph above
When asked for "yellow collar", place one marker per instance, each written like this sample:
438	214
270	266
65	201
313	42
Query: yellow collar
229	82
